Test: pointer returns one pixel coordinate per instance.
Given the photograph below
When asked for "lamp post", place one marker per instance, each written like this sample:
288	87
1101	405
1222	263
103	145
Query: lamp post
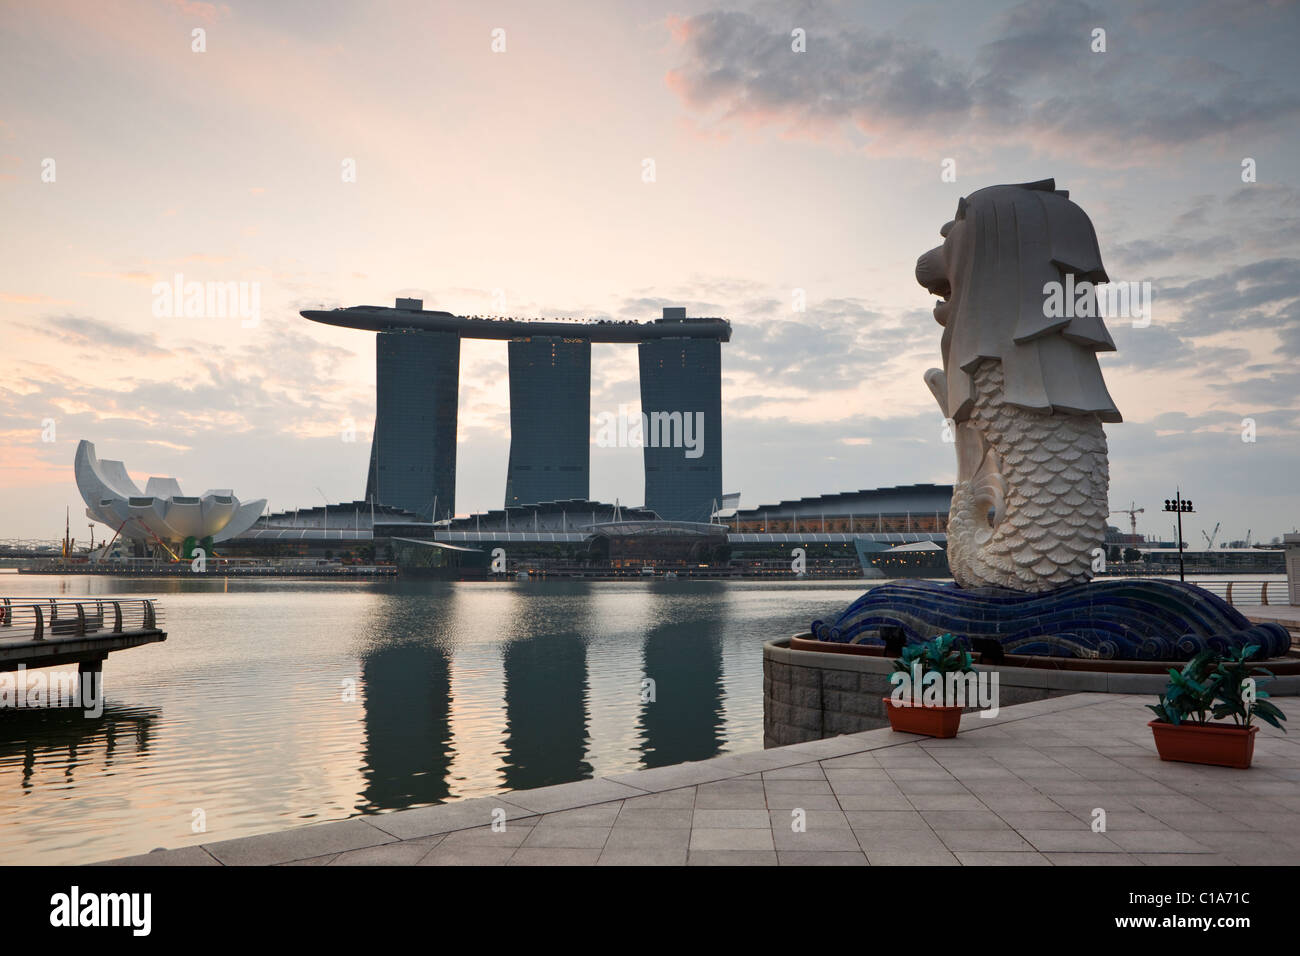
1180	506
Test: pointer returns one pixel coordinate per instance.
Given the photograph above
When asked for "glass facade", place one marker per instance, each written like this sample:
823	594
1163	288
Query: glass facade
413	455
681	397
550	415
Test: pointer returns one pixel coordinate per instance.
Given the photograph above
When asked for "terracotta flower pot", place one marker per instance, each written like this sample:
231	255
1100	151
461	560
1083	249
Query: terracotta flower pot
1218	746
930	721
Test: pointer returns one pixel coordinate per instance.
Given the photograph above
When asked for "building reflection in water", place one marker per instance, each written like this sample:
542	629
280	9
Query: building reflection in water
529	724
546	691
406	675
682	654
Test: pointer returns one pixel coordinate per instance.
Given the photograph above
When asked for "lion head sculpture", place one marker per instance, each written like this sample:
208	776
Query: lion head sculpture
1003	247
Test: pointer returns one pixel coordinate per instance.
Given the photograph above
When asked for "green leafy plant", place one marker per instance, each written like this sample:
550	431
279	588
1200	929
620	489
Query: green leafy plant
1214	685
939	656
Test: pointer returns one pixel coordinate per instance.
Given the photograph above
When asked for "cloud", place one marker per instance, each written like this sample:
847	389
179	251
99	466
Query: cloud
1262	295
206	12
80	331
18	298
1035	79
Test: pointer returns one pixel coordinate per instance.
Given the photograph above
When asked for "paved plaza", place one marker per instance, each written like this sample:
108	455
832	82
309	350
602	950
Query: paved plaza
1022	788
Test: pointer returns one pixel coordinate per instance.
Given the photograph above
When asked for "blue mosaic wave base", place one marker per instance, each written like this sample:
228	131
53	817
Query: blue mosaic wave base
1119	619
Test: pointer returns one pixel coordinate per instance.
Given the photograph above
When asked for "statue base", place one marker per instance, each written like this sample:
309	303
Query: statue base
1109	619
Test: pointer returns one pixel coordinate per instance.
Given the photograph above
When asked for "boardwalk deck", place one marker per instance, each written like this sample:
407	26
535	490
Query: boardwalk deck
45	632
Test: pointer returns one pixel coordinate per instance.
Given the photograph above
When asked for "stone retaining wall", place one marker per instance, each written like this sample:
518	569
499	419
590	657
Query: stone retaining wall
808	695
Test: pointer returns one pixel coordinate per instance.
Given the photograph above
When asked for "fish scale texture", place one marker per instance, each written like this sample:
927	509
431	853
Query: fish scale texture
1047	476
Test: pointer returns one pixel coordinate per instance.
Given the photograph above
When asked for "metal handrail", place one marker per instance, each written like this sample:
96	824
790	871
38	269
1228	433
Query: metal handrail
40	618
1247	593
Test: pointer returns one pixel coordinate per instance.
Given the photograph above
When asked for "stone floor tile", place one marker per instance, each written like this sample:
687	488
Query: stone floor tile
566	796
945	801
461	815
599	815
675	776
1157	841
822	858
886	820
1001	858
1192	822
655	817
946	785
807	771
298	844
964	820
796	787
956	840
1093	859
514	834
863	761
640	838
939	857
749	800
1184	859
1179	804
873	801
843	785
737	786
919	773
389	854
567	837
812	819
554	856
182	856
748	819
810	839
468	855
804	801
1082	840
902	840
643	856
325	860
664	800
732	858
1270	822
733	838
1040	819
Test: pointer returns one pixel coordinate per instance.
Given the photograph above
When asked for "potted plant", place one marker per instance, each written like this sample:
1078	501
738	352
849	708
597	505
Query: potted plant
1211	687
924	700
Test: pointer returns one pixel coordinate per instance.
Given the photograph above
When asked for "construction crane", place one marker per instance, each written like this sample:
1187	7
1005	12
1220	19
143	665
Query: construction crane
1209	538
1132	511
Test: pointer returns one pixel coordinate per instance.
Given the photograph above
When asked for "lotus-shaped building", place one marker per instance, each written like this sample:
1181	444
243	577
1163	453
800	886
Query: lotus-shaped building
161	511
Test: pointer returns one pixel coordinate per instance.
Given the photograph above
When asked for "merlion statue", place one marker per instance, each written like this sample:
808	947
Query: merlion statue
1025	399
1021	387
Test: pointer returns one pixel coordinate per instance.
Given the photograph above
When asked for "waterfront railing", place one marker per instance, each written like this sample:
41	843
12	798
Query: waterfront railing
1248	592
38	619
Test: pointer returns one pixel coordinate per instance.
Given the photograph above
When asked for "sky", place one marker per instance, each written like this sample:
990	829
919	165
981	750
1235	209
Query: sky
513	180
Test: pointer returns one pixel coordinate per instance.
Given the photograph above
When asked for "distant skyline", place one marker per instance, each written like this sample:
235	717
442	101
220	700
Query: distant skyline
514	182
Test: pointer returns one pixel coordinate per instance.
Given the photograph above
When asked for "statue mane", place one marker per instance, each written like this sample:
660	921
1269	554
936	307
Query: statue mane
1018	238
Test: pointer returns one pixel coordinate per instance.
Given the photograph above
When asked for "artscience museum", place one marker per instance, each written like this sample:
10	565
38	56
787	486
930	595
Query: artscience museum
160	513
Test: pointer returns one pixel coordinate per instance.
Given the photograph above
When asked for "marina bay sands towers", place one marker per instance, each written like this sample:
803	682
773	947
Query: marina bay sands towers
417	359
550	416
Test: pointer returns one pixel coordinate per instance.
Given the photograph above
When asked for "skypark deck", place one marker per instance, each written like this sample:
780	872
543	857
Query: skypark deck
376	318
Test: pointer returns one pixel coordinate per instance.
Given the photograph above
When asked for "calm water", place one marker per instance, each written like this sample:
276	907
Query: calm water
461	690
